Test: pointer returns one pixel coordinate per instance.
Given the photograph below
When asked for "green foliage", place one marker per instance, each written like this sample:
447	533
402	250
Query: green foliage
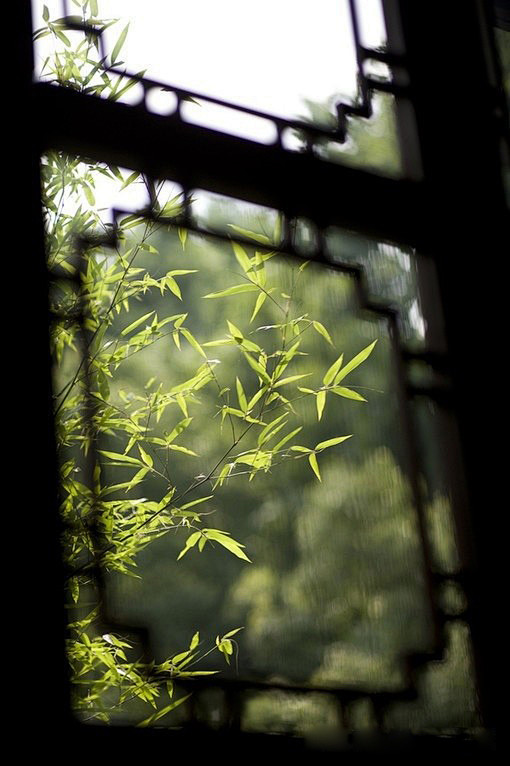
115	440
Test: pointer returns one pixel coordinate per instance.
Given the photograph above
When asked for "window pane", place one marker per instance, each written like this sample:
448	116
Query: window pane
162	342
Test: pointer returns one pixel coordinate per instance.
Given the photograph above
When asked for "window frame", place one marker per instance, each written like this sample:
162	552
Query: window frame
416	211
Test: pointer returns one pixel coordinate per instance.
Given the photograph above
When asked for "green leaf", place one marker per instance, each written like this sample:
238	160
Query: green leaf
233	291
179	428
137	478
348	393
121	458
291	379
258	305
67	43
332	371
173	286
179	448
231	633
196	502
332	442
194	641
320	402
261	238
147	459
190	542
263	435
355	362
241	396
312	458
46	13
193	342
130	179
156	716
183	236
241	256
287	438
136	323
255	398
227	542
257	367
322	331
120	42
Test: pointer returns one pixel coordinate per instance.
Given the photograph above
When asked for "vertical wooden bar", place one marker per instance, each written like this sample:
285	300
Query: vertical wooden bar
458	107
36	584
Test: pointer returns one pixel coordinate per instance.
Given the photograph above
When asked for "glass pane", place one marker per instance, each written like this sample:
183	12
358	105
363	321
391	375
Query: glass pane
188	369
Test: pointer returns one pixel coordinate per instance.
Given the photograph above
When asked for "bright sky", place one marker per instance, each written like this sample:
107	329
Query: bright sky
268	54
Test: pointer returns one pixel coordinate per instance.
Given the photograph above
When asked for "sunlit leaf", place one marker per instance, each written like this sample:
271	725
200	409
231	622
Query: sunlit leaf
347	393
183	236
164	711
355	362
332	442
120	42
241	256
136	323
320	402
258	305
322	331
332	371
261	238
233	291
312	458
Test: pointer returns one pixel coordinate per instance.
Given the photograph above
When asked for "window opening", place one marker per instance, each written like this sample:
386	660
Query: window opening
341	604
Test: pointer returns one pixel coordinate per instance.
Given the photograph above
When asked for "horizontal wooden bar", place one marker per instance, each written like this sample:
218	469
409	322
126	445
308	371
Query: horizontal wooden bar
198	157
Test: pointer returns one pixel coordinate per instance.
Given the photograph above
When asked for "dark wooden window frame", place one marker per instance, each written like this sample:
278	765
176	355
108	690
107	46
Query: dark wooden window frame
451	207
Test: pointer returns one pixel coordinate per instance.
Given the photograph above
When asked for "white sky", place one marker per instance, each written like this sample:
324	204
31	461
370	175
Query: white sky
268	54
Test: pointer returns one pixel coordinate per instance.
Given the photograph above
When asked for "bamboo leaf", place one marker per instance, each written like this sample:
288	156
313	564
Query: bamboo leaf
136	323
332	371
183	236
241	396
347	393
241	256
227	542
190	542
291	379
258	305
322	331
167	709
130	179
178	448
312	459
193	341
261	238
147	459
287	438
173	286
120	42
121	458
179	428
233	291
332	442
320	402
355	362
